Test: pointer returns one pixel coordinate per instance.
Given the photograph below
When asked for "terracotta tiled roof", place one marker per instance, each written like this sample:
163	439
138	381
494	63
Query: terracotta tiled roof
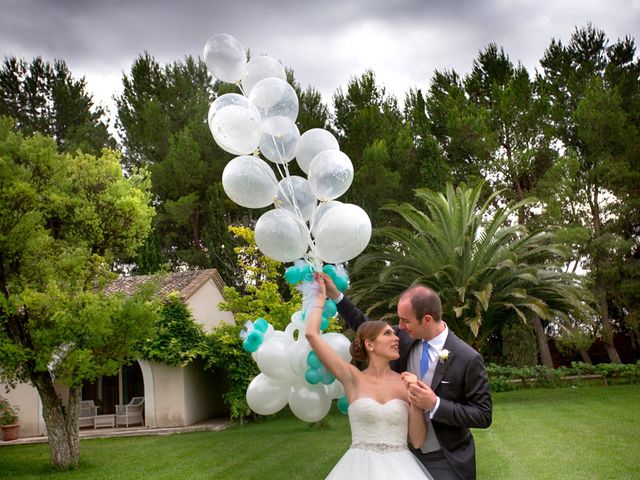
186	283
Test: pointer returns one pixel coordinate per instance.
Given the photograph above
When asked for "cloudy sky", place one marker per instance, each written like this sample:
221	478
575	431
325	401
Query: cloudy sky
325	42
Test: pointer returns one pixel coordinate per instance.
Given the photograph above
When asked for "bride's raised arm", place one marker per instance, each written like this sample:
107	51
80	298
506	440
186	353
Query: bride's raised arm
342	370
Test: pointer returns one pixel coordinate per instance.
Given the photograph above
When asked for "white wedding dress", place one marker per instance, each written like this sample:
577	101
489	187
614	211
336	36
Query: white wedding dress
378	443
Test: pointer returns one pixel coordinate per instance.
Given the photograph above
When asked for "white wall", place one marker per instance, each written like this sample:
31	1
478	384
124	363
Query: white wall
181	396
26	397
204	306
199	389
168	395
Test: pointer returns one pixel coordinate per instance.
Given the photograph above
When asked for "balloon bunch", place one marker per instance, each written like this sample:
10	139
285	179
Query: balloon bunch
307	224
291	372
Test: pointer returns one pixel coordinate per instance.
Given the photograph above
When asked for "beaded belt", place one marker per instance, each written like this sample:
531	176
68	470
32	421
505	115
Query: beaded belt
379	447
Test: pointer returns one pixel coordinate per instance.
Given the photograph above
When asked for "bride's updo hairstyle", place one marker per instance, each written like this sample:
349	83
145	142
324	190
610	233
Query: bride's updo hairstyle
367	331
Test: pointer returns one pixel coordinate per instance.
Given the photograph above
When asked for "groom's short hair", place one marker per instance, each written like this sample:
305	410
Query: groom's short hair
424	301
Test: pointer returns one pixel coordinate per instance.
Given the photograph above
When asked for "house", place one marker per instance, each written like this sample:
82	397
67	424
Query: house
173	396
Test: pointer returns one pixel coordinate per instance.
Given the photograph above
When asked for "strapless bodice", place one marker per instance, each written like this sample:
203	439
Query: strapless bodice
379	426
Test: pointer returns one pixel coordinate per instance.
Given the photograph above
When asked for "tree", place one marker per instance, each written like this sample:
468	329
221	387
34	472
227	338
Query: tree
517	118
372	132
485	269
162	121
459	128
434	171
595	88
64	219
46	98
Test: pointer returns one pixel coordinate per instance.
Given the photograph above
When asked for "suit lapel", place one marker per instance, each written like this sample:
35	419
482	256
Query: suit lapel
443	366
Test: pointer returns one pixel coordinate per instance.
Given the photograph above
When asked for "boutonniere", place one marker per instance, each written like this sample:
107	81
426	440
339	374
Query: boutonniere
444	355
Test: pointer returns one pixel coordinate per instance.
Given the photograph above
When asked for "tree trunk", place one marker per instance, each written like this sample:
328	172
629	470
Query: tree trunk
543	344
61	422
601	290
585	356
607	329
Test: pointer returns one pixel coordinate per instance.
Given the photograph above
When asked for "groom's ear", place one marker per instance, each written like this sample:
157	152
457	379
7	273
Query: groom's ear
427	318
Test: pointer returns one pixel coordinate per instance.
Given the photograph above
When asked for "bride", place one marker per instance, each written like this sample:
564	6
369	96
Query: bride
380	416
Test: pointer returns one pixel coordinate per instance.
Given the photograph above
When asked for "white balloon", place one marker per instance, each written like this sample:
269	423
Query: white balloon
249	182
235	124
225	58
295	329
335	390
273	358
310	403
321	209
298	356
280	236
271	332
295	188
259	68
339	344
266	396
273	97
311	143
279	139
297	315
343	233
330	174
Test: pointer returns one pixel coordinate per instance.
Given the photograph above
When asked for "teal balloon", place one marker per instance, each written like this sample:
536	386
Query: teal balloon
306	273
313	361
255	336
330	309
327	376
293	275
325	323
313	376
253	341
342	282
330	270
343	405
261	325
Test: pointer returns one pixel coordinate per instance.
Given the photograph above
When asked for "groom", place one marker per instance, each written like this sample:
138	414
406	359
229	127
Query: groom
454	391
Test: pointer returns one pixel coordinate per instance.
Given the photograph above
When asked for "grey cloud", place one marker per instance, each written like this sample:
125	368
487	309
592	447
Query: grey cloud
322	41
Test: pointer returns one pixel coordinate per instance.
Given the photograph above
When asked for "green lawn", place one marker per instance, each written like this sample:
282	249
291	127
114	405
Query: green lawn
576	433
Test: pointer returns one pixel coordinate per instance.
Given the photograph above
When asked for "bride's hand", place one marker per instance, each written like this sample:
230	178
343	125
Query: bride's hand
408	379
321	294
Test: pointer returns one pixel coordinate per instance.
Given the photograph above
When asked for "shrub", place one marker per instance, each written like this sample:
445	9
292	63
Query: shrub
519	345
8	413
505	378
177	339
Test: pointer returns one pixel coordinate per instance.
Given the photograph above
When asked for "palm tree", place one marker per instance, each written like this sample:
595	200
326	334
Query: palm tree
485	267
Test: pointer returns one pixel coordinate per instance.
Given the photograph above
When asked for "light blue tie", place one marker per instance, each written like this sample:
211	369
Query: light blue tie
424	359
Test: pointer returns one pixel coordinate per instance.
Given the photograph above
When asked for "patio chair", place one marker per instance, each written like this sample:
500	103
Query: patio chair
131	413
88	410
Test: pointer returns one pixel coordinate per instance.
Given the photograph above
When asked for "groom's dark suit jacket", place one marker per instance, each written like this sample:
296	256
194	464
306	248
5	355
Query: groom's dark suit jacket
462	384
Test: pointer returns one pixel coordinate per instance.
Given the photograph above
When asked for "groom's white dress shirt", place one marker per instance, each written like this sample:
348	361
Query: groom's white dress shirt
436	345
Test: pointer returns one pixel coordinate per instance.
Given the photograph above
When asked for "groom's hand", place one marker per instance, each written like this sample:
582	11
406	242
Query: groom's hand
421	395
332	290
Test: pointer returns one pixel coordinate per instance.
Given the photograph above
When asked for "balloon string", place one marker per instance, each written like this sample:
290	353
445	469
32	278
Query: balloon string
285	174
298	212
